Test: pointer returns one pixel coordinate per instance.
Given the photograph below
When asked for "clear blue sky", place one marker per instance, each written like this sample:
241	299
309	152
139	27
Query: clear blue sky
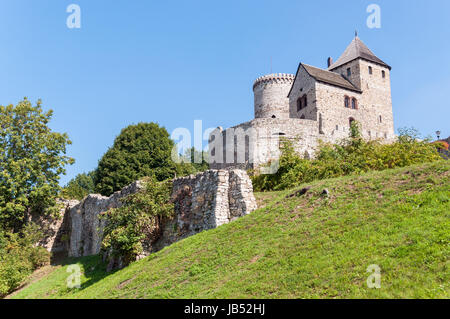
173	62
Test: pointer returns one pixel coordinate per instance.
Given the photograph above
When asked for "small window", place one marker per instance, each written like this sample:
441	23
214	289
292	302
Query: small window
370	70
299	104
351	120
354	104
303	117
380	119
274	117
383	74
347	102
337	127
302	102
349	71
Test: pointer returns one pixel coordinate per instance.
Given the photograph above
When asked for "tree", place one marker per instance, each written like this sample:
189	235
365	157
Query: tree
139	150
80	186
32	158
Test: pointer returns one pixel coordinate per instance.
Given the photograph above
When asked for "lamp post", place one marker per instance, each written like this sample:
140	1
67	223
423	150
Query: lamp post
438	133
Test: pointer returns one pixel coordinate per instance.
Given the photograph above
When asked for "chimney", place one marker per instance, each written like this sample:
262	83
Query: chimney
330	61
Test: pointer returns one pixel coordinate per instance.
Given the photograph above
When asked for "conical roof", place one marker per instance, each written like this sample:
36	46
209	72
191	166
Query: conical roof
357	49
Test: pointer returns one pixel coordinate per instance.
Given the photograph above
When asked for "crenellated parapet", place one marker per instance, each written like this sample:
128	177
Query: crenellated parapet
271	93
276	78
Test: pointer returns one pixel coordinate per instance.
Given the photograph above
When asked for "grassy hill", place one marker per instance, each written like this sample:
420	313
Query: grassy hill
307	246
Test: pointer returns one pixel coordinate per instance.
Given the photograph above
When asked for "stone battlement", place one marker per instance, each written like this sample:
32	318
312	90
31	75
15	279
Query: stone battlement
275	78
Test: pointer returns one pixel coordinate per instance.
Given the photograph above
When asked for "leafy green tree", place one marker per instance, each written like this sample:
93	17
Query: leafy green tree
80	186
140	150
32	158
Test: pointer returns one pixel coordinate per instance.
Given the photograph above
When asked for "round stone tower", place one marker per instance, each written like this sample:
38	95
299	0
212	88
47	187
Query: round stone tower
271	93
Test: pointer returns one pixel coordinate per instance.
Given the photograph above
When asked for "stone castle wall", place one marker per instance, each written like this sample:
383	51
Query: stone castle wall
201	202
325	117
374	111
261	141
270	94
206	201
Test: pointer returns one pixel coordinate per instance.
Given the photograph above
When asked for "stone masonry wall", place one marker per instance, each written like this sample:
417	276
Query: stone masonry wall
206	201
203	201
86	227
270	94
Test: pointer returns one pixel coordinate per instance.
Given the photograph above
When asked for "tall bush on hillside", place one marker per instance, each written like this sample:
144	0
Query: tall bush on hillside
139	150
32	158
137	221
353	155
79	187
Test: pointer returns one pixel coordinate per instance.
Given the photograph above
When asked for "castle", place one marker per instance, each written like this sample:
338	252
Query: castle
312	105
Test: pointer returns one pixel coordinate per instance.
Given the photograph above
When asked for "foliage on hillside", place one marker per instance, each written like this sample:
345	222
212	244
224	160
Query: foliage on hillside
79	187
299	246
32	158
139	150
137	221
19	256
353	155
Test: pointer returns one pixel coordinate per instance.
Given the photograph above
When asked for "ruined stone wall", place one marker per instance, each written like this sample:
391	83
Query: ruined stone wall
206	201
86	230
203	201
56	229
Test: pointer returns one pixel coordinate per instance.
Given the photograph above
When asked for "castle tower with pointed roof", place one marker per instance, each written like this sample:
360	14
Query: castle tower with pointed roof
320	104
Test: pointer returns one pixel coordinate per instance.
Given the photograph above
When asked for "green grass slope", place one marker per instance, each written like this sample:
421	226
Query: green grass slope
308	246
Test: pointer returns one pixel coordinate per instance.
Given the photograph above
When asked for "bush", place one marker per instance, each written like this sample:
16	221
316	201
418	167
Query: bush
79	187
19	257
137	221
353	155
140	150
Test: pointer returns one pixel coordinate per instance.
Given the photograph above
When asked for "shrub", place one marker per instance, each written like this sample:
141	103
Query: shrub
79	187
353	155
140	150
137	221
19	257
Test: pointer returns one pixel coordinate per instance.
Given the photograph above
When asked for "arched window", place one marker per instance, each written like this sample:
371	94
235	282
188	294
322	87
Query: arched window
274	117
347	101
302	117
383	74
354	104
351	120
